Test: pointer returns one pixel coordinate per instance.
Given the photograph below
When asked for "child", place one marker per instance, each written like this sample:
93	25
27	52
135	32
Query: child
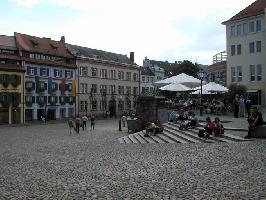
218	127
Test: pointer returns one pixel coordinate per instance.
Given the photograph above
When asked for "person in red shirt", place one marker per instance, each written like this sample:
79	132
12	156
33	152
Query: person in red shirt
209	126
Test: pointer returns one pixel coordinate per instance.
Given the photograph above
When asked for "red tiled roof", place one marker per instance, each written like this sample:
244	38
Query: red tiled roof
7	42
254	9
41	45
11	68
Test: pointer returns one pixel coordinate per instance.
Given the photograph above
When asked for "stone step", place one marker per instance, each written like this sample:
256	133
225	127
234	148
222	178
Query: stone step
127	140
182	136
139	138
158	139
149	140
133	139
174	137
166	139
188	133
224	138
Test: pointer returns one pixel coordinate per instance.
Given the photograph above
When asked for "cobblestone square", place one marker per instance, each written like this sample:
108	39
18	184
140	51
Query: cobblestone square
45	162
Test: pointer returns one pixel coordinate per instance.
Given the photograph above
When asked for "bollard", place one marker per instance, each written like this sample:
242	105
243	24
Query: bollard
120	129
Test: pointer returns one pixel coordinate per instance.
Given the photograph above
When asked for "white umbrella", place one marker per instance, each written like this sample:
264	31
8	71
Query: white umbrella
213	87
203	92
180	78
177	87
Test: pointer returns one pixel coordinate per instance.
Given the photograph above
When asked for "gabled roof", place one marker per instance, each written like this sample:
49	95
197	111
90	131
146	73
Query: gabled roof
7	42
41	45
254	9
146	71
97	54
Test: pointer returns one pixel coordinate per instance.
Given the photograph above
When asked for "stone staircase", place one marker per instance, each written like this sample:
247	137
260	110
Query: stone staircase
172	134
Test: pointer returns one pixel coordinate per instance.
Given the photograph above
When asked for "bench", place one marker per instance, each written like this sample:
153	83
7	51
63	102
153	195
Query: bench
259	132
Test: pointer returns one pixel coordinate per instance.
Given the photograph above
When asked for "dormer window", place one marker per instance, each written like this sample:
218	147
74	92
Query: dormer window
53	47
34	43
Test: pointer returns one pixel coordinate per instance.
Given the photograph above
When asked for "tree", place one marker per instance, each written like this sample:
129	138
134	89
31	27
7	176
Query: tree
236	89
186	67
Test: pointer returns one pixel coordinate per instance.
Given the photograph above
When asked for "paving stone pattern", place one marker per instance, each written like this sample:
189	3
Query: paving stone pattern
45	162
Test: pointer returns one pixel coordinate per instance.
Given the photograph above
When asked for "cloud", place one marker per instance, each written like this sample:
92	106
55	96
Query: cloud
159	29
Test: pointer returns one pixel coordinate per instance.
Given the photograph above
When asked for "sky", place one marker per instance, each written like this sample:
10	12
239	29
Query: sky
172	30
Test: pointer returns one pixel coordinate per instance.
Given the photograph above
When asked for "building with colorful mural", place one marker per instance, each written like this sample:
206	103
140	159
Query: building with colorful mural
50	73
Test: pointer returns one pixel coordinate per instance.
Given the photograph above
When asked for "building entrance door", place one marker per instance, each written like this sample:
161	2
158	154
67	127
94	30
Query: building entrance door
40	113
4	116
15	115
112	108
51	114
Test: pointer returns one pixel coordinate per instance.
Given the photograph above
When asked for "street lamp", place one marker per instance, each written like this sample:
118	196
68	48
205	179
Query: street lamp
201	76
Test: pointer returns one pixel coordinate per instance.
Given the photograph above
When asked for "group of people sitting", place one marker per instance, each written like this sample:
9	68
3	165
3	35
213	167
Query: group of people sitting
214	128
153	128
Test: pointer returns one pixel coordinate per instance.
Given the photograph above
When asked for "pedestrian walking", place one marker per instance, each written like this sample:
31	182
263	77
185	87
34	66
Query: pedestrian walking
92	122
78	123
84	120
236	106
248	105
124	119
242	106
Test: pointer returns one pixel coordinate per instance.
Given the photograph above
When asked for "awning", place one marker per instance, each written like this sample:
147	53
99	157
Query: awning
252	91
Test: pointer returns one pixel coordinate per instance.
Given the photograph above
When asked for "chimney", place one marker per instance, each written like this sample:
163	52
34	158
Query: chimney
63	39
132	57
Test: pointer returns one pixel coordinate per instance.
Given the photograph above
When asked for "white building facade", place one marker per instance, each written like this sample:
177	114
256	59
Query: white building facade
245	43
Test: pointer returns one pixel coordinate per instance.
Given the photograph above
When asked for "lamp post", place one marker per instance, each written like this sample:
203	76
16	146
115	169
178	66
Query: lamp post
201	75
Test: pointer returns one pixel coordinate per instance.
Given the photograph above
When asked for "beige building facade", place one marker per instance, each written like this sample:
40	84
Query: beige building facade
107	83
246	55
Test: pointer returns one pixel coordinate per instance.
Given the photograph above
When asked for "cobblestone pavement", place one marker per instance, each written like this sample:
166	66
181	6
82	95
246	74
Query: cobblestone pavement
45	162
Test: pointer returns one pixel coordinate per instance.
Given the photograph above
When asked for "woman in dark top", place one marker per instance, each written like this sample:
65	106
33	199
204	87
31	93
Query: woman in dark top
254	120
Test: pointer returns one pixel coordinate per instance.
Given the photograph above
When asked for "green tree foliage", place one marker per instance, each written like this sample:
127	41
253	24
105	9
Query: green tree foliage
236	89
186	67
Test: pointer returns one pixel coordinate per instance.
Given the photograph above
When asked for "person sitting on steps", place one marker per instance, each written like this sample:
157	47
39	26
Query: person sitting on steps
208	127
218	128
254	120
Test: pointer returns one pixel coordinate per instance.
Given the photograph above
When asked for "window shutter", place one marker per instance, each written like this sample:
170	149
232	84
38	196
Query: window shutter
47	72
45	86
55	72
60	73
56	99
71	74
49	99
37	99
1	78
35	71
28	70
41	71
33	99
45	99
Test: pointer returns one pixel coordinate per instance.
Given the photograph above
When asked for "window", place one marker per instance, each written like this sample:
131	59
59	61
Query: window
83	88
245	28
57	73
103	89
103	105
128	90
31	71
258	46
112	89
251	27
143	79
252	72
93	88
151	79
85	105
233	50
148	79
135	77
259	72
83	71
120	105
81	105
68	74
238	29
233	74
239	73
103	73
120	75
120	89
112	74
258	25
233	31
93	104
238	49
94	72
135	91
128	76
251	47
44	72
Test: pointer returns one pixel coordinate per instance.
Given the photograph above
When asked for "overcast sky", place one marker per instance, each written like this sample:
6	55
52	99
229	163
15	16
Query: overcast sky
172	30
